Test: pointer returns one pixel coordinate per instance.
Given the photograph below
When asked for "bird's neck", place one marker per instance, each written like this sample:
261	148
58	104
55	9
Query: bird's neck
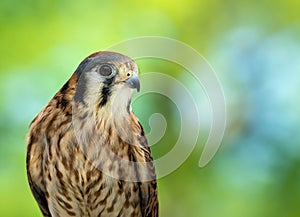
115	117
117	114
112	129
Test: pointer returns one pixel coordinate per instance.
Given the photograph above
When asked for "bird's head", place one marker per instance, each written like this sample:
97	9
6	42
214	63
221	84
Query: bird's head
106	79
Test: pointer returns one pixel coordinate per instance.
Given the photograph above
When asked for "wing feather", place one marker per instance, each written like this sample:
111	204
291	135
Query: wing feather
34	172
148	190
39	196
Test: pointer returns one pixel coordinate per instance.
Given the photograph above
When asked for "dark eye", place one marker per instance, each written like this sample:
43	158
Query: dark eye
105	70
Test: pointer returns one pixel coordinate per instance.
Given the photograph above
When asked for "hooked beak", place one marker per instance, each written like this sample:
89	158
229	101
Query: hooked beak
133	82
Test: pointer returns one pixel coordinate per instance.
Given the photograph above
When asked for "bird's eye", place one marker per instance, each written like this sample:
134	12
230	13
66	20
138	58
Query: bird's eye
105	70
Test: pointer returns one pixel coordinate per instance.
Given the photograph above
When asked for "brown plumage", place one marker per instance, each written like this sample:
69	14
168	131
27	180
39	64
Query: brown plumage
87	154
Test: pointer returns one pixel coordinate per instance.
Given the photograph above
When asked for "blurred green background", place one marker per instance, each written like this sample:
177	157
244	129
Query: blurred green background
254	47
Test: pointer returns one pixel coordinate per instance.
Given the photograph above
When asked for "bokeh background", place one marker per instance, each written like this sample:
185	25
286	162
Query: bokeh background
254	47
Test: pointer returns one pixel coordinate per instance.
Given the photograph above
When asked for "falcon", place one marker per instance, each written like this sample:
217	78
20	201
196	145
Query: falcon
87	154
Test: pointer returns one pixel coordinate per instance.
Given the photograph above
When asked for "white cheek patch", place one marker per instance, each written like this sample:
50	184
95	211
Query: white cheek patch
94	84
93	78
120	100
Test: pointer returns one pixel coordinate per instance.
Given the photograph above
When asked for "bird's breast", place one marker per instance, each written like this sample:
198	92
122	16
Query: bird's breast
78	186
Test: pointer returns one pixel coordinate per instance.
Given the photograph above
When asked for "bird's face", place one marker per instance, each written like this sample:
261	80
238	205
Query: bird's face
106	79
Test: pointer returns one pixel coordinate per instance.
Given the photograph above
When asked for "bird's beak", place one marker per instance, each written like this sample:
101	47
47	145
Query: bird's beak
133	82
